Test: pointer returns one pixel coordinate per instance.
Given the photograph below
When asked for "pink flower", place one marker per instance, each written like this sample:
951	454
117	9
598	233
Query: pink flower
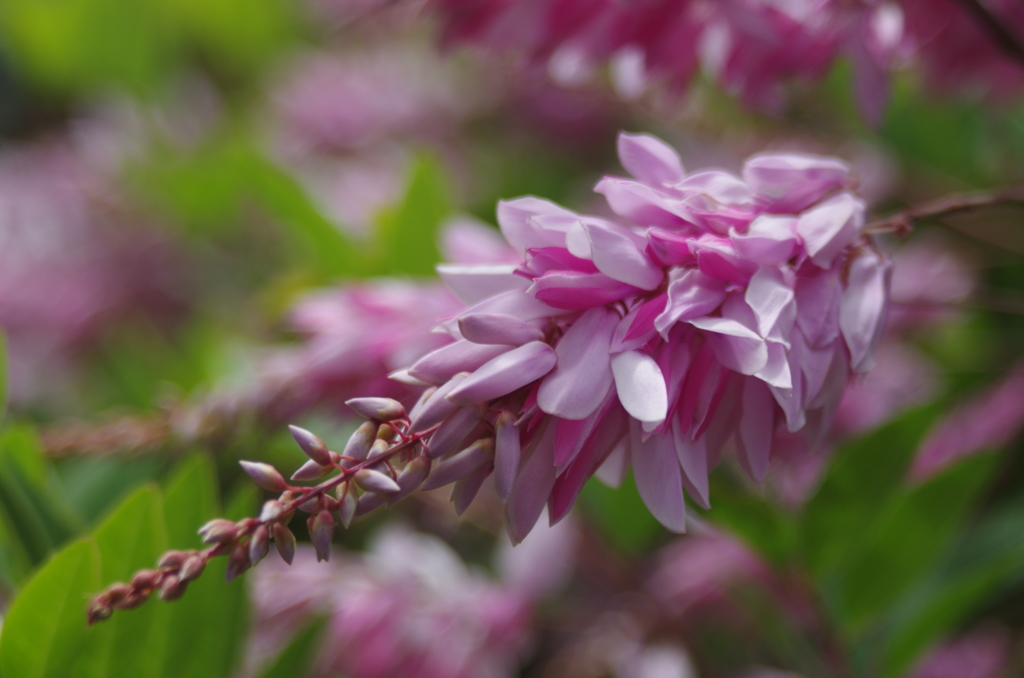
407	607
988	421
981	653
957	53
717	312
751	47
68	265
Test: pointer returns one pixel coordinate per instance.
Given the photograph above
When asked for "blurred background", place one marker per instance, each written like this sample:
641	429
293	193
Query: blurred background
221	217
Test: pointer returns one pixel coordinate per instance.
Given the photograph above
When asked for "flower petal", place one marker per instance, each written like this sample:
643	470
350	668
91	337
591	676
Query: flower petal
475	282
641	386
583	375
497	328
649	159
736	346
757	426
533	485
863	307
691	294
439	366
658	478
830	226
505	373
768	295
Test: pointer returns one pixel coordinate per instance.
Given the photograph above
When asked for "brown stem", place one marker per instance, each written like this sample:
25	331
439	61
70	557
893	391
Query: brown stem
903	222
997	29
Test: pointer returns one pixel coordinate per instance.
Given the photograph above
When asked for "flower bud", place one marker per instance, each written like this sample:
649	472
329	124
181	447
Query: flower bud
411	477
272	511
284	540
117	592
375	481
311	470
437	407
461	464
507	453
238	562
265	475
385	432
358	445
192	568
381	409
145	580
368	502
172	588
259	544
378	449
455	430
218	531
173	559
348	502
321	531
99	609
132	601
314	448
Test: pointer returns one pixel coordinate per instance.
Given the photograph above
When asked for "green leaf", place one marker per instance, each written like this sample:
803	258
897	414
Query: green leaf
985	559
205	620
297	659
407	236
860	479
759	523
3	375
907	541
131	642
36	518
45	627
621	516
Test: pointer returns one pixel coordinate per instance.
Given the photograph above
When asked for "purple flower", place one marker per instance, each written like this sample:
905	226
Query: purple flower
989	421
407	607
752	48
981	653
715	313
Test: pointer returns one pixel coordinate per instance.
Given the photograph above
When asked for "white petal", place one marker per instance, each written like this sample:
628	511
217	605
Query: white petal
641	386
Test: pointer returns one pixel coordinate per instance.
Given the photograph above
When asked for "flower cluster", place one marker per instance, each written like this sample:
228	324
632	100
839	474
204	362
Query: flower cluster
750	47
408	606
717	312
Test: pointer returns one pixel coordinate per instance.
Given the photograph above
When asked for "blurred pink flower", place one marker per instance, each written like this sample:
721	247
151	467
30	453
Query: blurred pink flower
344	102
751	47
718	311
355	335
988	421
68	263
957	54
982	653
407	607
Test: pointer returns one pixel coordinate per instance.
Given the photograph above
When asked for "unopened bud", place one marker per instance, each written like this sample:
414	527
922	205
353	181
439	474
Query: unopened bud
99	609
321	530
284	540
311	444
265	475
461	464
173	559
347	505
259	544
381	409
272	510
172	588
411	477
385	432
375	481
132	601
218	531
437	407
311	470
379	449
238	562
358	445
117	592
145	580
369	502
192	568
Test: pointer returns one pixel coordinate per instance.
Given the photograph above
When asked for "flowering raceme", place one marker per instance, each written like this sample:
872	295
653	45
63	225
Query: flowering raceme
718	310
715	312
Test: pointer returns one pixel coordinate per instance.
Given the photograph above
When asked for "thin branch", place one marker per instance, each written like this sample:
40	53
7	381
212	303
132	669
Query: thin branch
997	29
903	222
